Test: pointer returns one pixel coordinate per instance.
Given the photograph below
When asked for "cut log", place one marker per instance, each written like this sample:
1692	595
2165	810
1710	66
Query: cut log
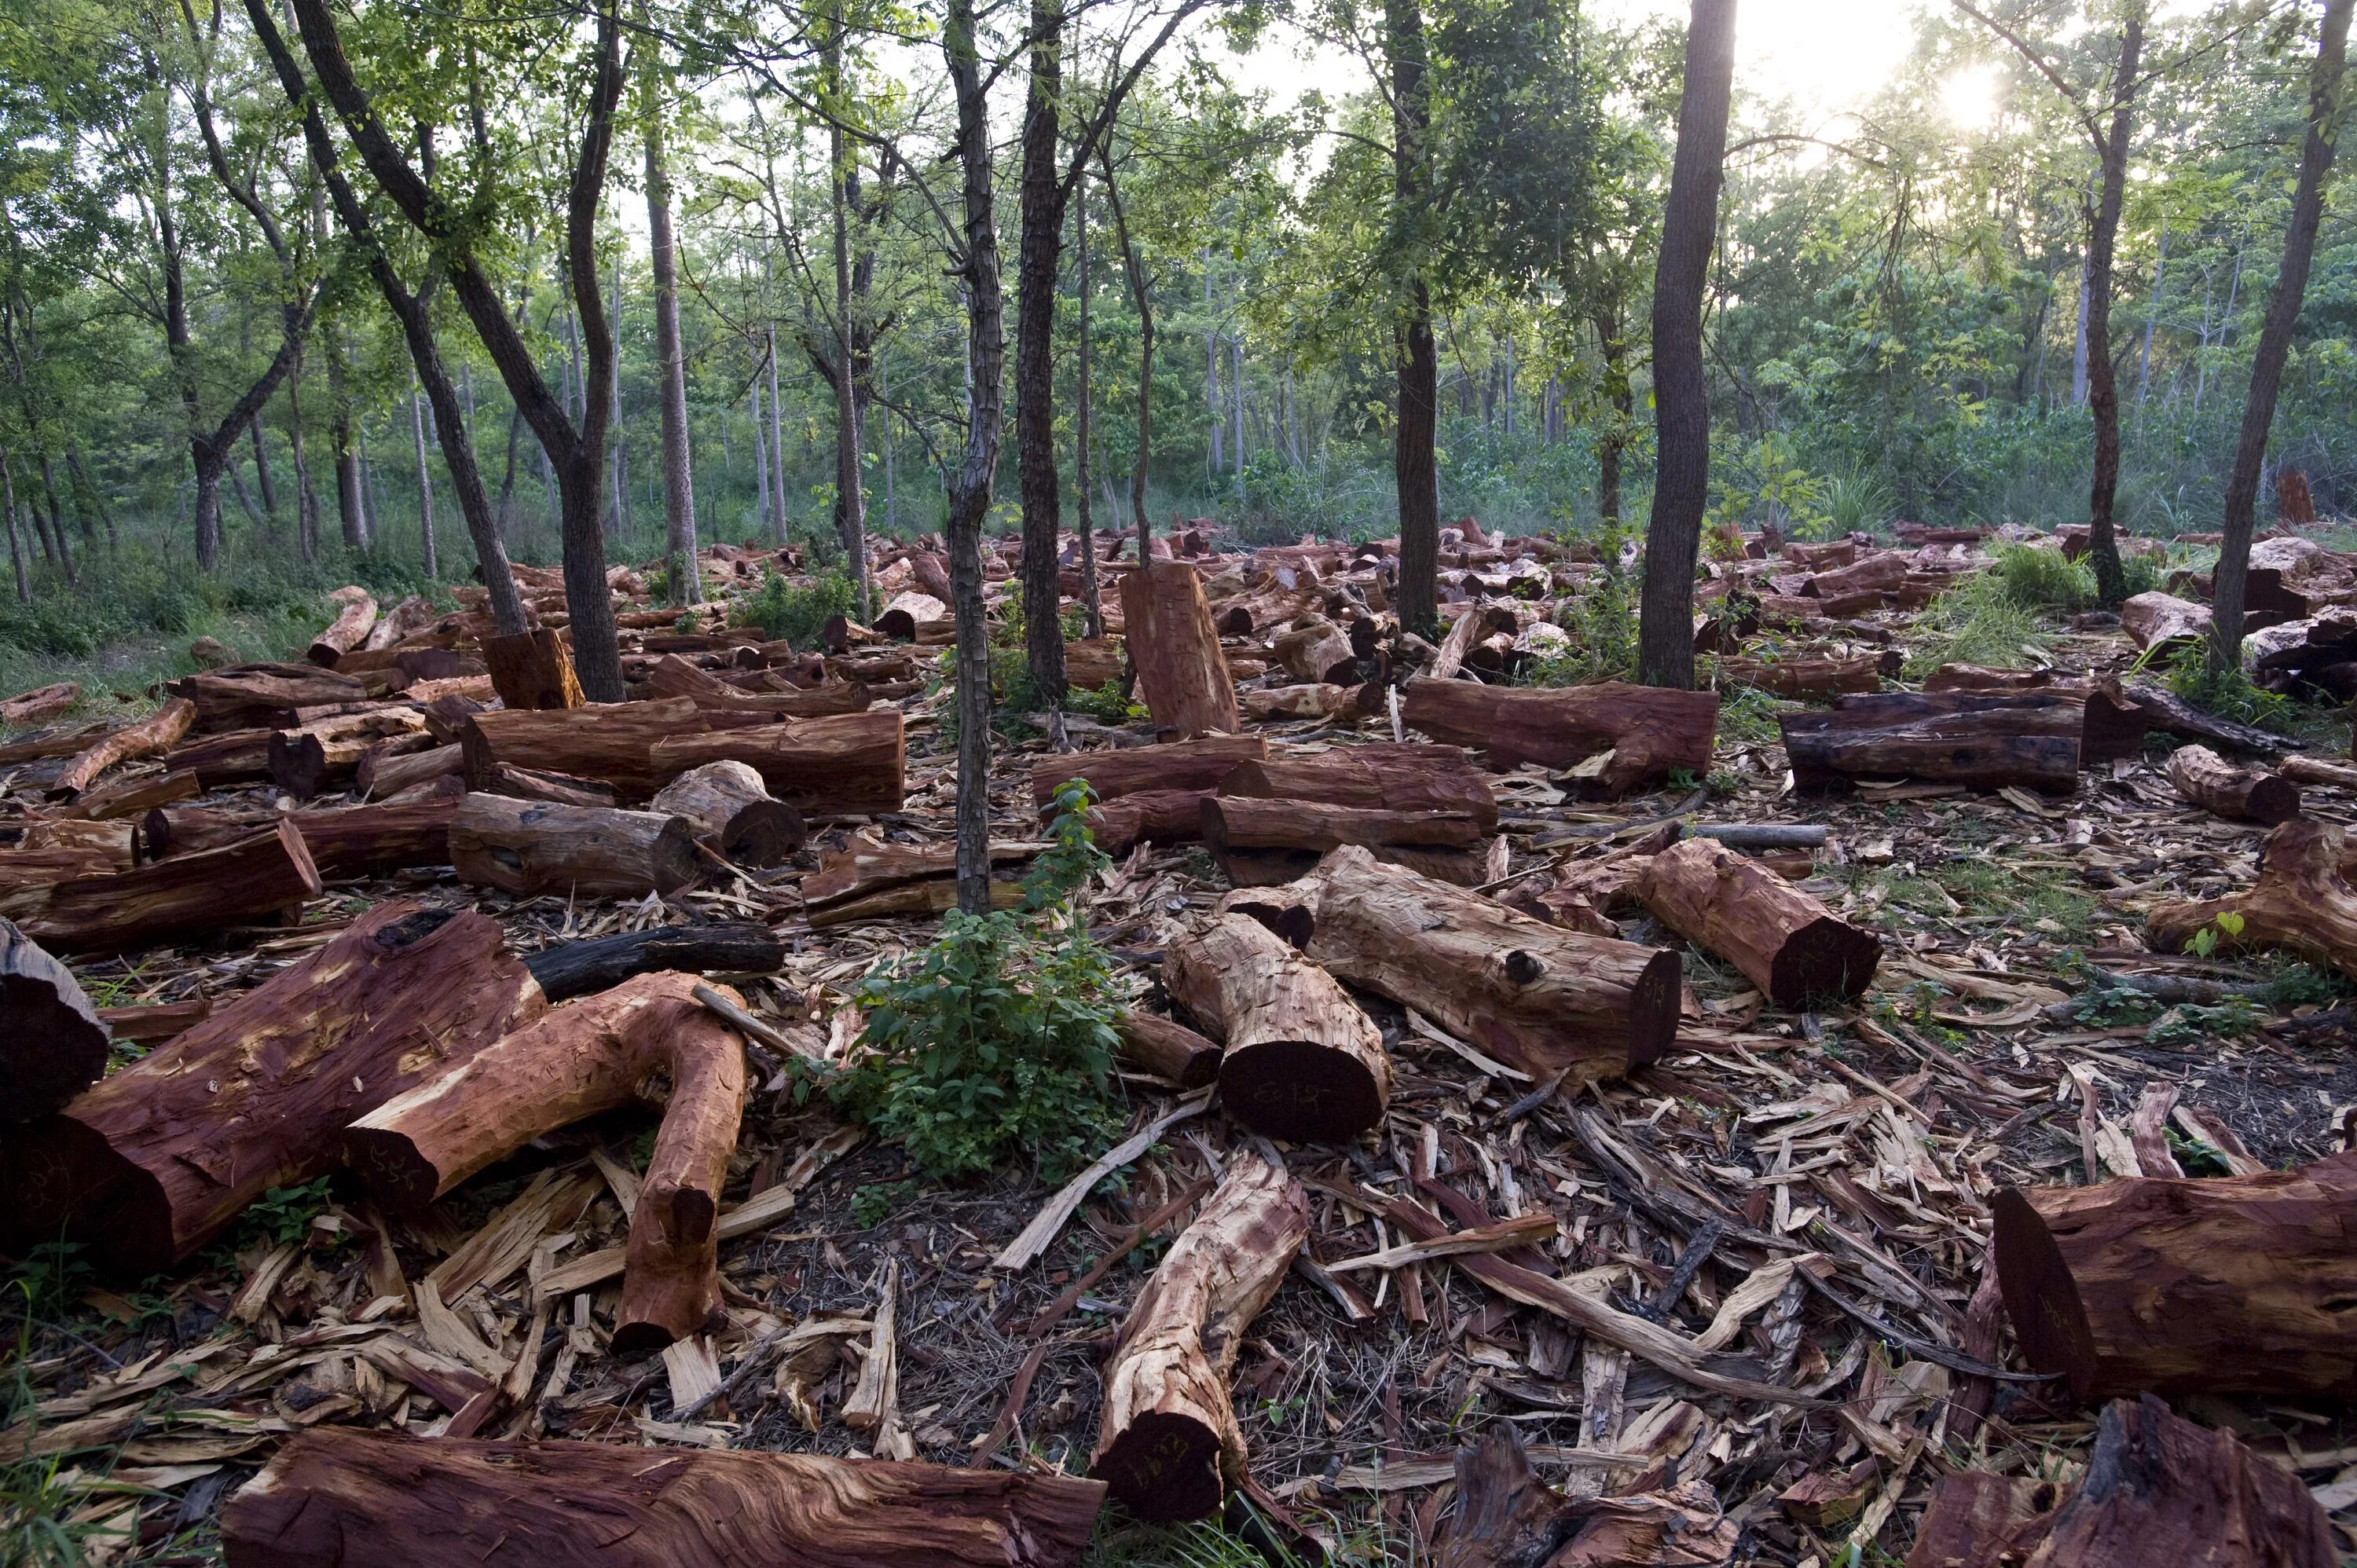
2302	903
1301	1062
559	788
1804	675
530	672
2165	710
1181	670
585	1057
725	706
2112	724
1092	663
1541	999
1313	702
54	742
1883	570
388	770
1647	730
868	864
2246	794
2158	620
2181	1286
576	969
1318	652
610	742
529	847
1151	816
349	630
909	614
1788	944
840	765
152	1023
259	696
1972	1514
151	736
152	1161
2315	770
369	840
305	762
1982	742
1167	1441
135	796
1258	843
220	761
405	620
41	703
1380	777
338	1497
1187	765
729	807
52	1042
247	881
1168	1049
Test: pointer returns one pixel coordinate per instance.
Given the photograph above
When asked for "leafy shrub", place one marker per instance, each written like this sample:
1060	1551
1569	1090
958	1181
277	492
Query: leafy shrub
1602	621
796	614
998	1039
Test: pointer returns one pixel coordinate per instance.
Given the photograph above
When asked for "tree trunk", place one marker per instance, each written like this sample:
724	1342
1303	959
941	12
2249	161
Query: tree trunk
777	428
1986	742
678	461
1415	471
1167	1441
1041	249
1141	297
583	1058
1634	733
1091	615
531	848
835	765
2103	384
1176	650
733	811
365	1499
2212	783
530	671
2274	336
1682	397
598	963
1788	944
159	1158
424	482
52	1044
16	538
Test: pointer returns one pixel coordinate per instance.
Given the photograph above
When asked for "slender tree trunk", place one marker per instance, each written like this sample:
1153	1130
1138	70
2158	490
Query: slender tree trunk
424	482
1614	439
307	499
679	472
1416	470
1212	404
1035	349
2079	341
56	513
1092	622
262	470
767	523
884	441
617	460
850	503
777	442
15	539
1682	398
2324	92
96	496
2103	384
352	508
2151	320
1141	296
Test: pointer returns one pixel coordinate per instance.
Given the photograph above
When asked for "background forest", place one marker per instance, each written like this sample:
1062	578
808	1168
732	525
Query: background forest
1895	316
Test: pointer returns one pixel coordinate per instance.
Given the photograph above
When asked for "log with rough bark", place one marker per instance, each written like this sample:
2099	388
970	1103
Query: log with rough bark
1386	777
153	1023
137	795
1986	742
2186	1286
1317	650
151	736
2163	620
1151	816
1631	735
1181	671
576	969
54	742
1881	571
531	671
2303	902
1301	1061
838	765
261	696
305	762
390	767
725	706
253	879
1313	702
2111	724
2214	784
1167	1441
1166	1049
1507	1517
338	1497
349	630
558	788
732	812
231	757
1186	765
868	864
153	1161
2165	710
1260	842
369	840
1539	998
1974	1514
529	847
610	742
117	840
1788	944
1804	674
52	1042
581	1059
910	614
41	703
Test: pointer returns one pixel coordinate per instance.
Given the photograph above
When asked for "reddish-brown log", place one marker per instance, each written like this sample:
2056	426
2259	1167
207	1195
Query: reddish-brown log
152	1023
259	697
529	847
868	864
530	672
1384	777
245	881
610	742
57	741
348	630
1167	1441
1301	1061
219	761
41	703
1168	1049
1506	1516
558	788
52	1042
1812	675
1788	944
391	767
1976	1514
152	1161
2303	902
1181	670
729	810
338	1497
1984	742
369	840
1648	730
136	795
839	764
725	706
910	614
1313	702
585	1057
1187	765
151	736
2163	620
2214	784
1151	816
1314	652
1259	844
305	762
2113	724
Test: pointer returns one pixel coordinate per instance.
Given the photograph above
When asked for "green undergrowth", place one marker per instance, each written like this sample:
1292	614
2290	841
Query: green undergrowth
797	614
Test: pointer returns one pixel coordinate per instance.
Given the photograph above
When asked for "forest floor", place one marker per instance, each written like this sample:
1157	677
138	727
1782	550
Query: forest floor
1869	1137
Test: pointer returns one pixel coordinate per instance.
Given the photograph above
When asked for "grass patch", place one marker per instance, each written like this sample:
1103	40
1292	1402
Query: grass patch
2228	693
1979	621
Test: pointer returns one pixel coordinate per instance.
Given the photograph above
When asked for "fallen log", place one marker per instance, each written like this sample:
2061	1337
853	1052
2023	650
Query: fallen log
1384	777
305	762
2302	903
725	706
41	703
1260	843
558	788
1788	944
339	1496
1814	675
1151	816
152	1023
2165	710
1982	742
582	1059
1313	702
868	864
1546	1000
596	963
1318	652
1301	1061
1168	1446
259	696
911	613
44	743
2315	770
255	877
1181	670
1187	765
2113	724
1168	1049
52	1042
406	620
219	761
151	736
135	796
1638	734
610	742
153	1161
529	847
729	807
530	672
2182	1285
348	631
388	769
2246	794
369	840
838	765
2164	621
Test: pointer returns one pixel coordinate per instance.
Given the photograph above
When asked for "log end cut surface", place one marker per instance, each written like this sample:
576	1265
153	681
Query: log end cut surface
1165	1466
1828	958
52	1046
1304	1092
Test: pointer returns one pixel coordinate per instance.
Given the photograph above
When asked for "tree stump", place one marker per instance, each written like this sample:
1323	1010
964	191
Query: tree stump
1181	670
530	672
1167	1441
1647	730
1956	738
2214	784
1302	1062
529	847
583	1057
52	1042
1788	944
732	812
2302	903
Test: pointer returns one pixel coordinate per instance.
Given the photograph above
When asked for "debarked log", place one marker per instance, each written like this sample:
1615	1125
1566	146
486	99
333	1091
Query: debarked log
152	1161
1302	1062
1384	777
733	811
1787	943
610	742
338	1497
151	736
1259	842
2303	903
1195	764
529	847
1166	1049
2246	794
586	1057
1986	742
